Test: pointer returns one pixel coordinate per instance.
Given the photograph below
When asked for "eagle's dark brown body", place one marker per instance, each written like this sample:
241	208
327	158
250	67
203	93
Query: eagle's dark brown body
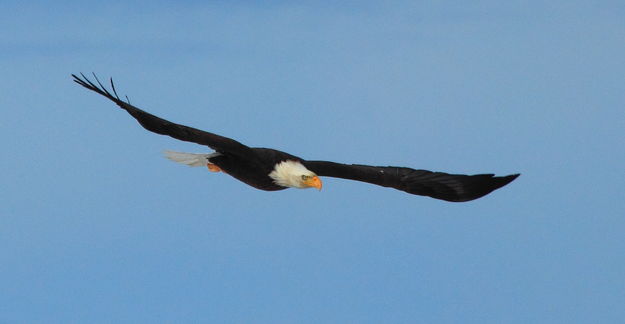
255	169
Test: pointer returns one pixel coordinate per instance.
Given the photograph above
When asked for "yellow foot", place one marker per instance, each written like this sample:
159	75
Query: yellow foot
213	167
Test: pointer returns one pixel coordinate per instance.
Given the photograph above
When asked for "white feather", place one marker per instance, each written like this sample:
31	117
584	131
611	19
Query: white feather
190	159
289	174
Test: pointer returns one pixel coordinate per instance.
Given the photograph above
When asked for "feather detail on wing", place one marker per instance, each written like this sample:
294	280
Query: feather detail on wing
164	127
439	185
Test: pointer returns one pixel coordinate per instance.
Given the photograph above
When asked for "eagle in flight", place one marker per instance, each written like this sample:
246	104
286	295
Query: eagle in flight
269	169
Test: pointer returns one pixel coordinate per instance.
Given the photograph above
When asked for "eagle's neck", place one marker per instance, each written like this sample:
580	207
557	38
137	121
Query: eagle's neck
289	174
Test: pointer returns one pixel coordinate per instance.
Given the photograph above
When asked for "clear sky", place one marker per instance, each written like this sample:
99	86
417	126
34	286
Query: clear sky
97	227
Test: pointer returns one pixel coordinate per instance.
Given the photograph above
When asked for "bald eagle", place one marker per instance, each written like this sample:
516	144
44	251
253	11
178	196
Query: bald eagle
269	169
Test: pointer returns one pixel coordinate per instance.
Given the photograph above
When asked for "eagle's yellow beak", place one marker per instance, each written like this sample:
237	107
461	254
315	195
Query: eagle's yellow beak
314	182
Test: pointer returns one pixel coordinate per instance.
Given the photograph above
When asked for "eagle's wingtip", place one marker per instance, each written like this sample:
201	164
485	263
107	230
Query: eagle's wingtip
512	176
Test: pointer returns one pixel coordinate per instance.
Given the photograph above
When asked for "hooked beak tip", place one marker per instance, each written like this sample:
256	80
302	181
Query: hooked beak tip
317	183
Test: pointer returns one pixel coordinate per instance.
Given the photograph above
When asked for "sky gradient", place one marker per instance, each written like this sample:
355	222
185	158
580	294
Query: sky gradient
97	227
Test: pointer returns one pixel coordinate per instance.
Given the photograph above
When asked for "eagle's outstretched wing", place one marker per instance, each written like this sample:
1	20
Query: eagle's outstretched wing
164	127
439	185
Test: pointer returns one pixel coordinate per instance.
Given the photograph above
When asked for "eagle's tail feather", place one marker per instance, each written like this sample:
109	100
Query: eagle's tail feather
190	159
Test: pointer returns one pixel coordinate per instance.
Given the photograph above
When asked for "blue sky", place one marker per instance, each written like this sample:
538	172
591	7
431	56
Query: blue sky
95	226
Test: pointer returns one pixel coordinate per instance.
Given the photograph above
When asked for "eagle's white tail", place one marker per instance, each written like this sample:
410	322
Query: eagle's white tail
190	159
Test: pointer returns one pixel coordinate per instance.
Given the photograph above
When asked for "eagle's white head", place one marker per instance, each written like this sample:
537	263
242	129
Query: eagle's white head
295	175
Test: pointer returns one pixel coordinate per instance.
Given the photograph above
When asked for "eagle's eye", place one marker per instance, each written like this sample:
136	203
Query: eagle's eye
305	177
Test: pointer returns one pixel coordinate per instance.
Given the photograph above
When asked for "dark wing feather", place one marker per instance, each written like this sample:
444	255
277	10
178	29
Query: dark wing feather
439	185
164	127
